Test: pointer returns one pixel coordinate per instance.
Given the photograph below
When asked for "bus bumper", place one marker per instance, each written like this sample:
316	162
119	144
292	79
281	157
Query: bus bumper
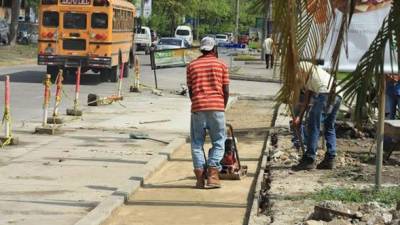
75	61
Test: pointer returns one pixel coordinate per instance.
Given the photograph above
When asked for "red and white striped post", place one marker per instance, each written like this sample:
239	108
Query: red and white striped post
8	139
75	111
121	77
77	88
136	78
59	84
58	96
46	101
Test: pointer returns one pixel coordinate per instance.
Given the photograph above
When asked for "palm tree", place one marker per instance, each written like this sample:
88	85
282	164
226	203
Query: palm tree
301	29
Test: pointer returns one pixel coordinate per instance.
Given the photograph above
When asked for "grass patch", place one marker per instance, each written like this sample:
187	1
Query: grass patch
246	58
254	45
341	75
19	54
387	196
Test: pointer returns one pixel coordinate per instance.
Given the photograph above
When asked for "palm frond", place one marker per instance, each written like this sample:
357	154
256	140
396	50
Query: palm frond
361	87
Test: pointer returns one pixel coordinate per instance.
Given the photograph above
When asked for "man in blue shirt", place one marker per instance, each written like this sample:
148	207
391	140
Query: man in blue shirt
393	94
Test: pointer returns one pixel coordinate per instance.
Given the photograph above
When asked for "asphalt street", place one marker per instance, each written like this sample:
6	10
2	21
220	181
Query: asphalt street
27	88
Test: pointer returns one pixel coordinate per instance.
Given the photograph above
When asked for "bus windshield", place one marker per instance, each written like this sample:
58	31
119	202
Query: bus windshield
75	21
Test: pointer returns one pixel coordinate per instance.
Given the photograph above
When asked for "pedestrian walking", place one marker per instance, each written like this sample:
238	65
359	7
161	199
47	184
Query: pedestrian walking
393	95
317	94
269	57
208	84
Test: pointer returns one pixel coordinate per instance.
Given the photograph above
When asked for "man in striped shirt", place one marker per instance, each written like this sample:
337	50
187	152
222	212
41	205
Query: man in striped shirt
208	83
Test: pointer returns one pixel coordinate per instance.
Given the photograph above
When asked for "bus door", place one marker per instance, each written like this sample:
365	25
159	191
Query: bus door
74	31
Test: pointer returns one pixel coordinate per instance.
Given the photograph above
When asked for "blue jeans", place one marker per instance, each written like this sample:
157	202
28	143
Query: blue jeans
214	122
393	104
317	113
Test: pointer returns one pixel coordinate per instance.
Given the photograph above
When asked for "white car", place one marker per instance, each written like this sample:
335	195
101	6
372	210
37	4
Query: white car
143	39
172	43
184	32
222	39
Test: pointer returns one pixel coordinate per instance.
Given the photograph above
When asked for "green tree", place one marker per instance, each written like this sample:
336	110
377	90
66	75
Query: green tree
15	7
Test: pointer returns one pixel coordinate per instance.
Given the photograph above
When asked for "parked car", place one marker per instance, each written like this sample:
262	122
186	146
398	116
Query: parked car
209	35
143	39
172	43
221	39
27	33
4	32
184	32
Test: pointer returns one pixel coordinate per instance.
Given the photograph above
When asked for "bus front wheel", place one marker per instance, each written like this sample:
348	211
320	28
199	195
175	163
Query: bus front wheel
126	69
105	74
114	74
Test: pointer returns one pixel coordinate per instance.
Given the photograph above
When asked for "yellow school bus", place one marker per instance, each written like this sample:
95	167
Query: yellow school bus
95	35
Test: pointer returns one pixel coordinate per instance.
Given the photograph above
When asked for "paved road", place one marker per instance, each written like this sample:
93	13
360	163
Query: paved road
27	88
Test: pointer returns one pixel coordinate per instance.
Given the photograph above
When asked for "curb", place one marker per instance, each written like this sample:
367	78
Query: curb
255	79
255	218
99	214
104	210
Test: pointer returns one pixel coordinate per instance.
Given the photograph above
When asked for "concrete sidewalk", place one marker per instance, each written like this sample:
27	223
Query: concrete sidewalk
59	179
169	196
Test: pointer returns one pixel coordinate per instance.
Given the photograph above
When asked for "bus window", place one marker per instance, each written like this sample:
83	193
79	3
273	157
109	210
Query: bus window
50	19
99	20
49	2
75	21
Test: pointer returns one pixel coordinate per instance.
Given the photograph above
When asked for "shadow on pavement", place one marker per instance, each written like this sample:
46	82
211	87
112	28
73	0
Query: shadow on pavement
61	159
187	203
79	204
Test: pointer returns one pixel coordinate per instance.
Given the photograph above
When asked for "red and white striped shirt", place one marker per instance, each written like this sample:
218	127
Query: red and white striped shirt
206	76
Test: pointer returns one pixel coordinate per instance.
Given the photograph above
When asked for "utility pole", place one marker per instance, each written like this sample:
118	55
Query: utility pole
142	8
267	4
237	20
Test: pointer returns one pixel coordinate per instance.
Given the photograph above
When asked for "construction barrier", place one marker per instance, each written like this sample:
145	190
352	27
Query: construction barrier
136	79
47	85
8	139
121	78
58	97
96	100
75	110
45	129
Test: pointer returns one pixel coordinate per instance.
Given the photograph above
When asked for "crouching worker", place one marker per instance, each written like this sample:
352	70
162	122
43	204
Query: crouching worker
208	84
317	90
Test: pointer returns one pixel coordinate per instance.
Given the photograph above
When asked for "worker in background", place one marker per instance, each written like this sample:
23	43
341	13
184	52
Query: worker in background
208	84
269	57
392	95
317	90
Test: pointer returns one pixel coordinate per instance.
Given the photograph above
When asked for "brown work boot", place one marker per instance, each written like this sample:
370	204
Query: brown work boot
304	164
327	164
200	176
213	178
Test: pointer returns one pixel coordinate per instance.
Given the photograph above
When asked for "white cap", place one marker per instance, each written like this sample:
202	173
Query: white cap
207	44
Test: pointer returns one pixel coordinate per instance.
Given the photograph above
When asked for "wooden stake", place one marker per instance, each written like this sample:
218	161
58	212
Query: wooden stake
380	134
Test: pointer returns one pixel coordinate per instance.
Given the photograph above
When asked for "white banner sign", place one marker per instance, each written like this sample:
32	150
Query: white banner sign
364	27
147	8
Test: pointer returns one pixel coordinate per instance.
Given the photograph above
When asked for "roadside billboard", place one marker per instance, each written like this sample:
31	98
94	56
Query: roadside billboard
175	57
364	27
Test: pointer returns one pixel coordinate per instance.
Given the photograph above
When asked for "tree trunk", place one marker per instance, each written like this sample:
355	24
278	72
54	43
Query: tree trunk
265	27
16	4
